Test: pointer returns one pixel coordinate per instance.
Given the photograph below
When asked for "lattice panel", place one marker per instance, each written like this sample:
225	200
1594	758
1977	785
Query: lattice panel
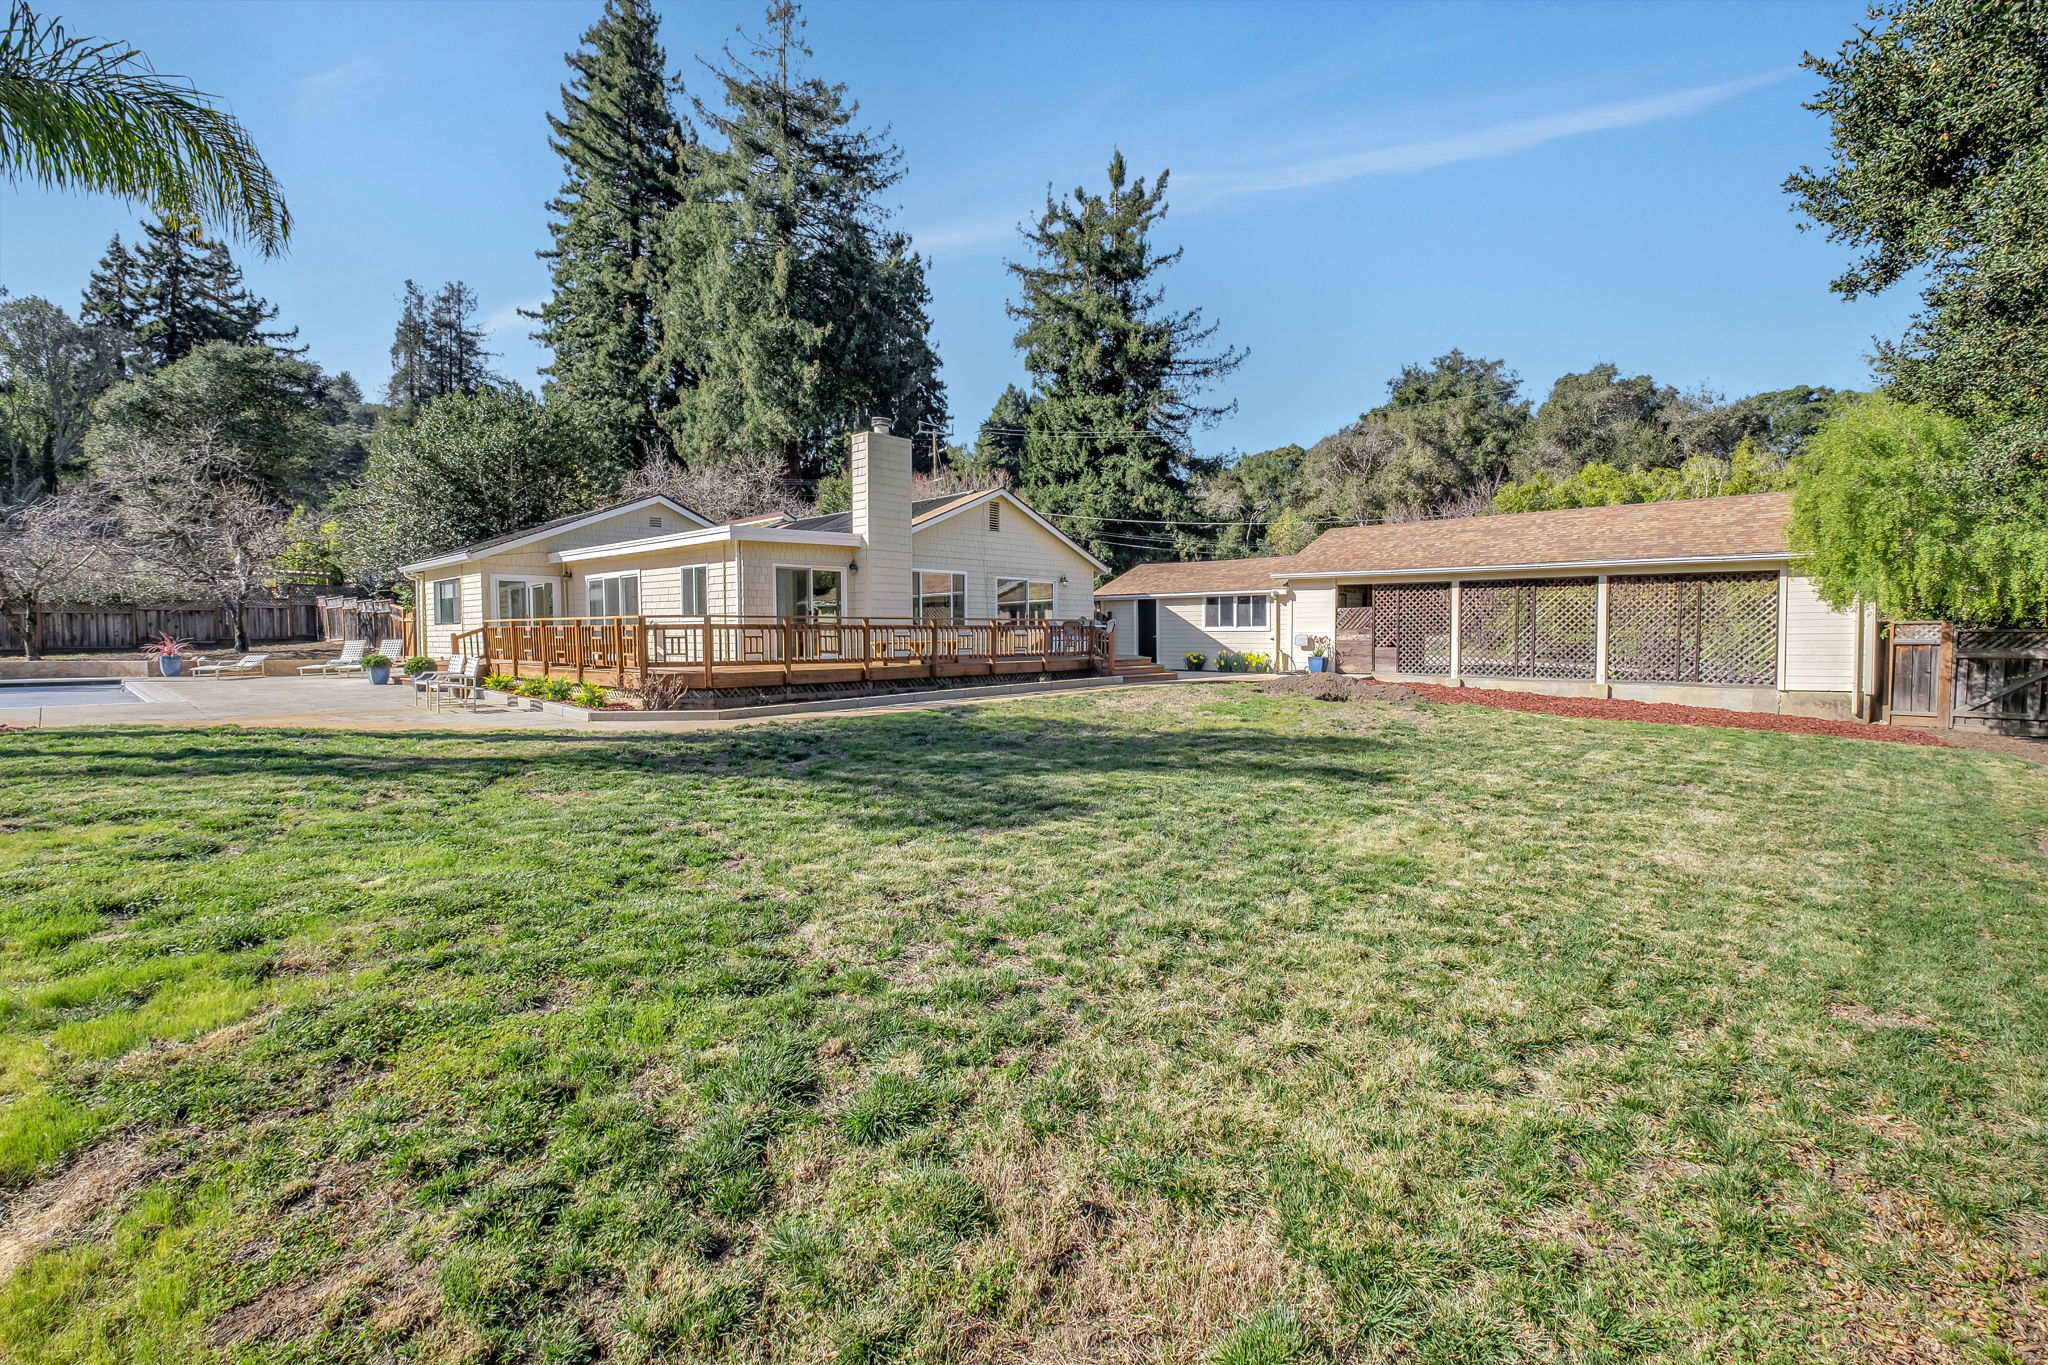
1696	628
1530	628
1414	622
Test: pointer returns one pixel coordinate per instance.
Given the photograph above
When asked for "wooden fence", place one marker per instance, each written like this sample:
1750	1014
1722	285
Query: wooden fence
1942	677
68	629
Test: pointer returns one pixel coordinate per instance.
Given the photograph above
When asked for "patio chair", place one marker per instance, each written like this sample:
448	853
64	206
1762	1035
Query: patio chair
456	665
248	666
391	649
351	660
458	686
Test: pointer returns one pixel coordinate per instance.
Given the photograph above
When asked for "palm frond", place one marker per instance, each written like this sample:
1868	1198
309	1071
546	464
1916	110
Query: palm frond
87	113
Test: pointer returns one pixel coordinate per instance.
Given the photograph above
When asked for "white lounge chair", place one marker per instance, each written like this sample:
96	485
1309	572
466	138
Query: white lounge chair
392	649
248	666
351	660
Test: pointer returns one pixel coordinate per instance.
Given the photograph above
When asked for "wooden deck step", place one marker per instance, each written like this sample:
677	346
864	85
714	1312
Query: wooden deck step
1137	668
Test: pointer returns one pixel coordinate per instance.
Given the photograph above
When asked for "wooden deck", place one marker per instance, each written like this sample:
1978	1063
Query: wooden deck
727	652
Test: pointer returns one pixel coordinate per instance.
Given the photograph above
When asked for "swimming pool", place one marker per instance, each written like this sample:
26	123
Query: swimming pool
53	692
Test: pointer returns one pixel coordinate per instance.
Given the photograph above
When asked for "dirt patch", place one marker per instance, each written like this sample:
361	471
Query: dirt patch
1870	1018
1665	713
2012	746
374	1278
1334	687
75	1204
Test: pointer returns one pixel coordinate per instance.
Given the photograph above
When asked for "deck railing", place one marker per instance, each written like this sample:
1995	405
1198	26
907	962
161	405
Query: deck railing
764	647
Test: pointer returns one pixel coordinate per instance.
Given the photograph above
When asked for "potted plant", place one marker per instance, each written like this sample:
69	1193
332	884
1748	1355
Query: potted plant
416	665
1318	655
169	652
1195	662
378	666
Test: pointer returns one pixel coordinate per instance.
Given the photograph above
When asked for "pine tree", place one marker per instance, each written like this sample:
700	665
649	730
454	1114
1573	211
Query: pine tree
437	348
409	386
797	309
1108	449
455	344
179	291
621	145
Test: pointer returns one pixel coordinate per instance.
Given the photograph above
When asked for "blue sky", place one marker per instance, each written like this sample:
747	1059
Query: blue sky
1355	185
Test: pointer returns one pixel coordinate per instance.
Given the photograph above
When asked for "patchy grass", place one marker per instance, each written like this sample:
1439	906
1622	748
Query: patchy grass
1161	1025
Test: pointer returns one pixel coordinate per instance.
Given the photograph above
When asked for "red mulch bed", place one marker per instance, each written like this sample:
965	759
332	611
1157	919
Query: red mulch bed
1664	713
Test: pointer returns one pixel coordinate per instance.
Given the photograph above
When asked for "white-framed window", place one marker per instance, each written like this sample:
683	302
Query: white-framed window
801	590
1019	599
447	599
521	599
612	594
696	599
938	596
1234	613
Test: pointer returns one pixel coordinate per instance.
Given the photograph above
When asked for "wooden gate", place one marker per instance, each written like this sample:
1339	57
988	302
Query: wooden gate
2001	681
1939	676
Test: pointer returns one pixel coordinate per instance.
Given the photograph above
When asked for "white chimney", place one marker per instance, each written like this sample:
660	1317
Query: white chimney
881	518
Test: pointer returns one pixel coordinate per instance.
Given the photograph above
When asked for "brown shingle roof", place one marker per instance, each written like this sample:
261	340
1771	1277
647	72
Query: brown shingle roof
1700	528
1202	576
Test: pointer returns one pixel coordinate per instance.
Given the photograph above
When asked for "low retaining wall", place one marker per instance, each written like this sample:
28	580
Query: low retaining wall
75	668
861	702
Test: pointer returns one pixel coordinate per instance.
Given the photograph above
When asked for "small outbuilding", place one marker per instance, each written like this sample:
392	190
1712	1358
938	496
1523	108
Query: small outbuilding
1699	602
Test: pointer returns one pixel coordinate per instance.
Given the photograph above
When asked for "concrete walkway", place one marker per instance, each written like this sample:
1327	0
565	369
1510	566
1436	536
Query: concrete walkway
354	704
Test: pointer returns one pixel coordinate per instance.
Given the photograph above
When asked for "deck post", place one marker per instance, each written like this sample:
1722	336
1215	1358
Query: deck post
639	651
931	654
708	628
576	646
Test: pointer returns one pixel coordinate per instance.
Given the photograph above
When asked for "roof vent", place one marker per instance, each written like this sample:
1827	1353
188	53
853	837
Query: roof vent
881	426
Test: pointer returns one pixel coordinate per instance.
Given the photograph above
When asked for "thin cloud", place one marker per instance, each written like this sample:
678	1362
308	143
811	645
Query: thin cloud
1499	140
509	316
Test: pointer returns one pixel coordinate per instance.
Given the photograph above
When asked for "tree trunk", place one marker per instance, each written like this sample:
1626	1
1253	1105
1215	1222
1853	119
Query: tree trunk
26	625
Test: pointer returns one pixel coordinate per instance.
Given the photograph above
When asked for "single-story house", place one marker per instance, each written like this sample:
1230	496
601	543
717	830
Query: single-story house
701	591
1699	602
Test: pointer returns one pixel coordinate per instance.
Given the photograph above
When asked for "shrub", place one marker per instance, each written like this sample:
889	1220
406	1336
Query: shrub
1195	662
556	689
532	687
663	692
502	682
416	665
589	695
377	661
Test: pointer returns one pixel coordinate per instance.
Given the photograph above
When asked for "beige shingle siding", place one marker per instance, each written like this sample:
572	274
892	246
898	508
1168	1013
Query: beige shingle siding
1021	549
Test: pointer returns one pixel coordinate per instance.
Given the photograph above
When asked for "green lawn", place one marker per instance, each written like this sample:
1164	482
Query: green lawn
1172	1024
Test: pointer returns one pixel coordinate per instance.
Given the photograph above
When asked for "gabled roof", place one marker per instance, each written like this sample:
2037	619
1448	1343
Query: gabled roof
1747	527
843	521
928	511
1201	576
1696	530
527	535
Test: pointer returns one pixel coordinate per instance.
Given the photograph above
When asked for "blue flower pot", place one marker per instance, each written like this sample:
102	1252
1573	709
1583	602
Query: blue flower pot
379	676
1316	665
172	665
